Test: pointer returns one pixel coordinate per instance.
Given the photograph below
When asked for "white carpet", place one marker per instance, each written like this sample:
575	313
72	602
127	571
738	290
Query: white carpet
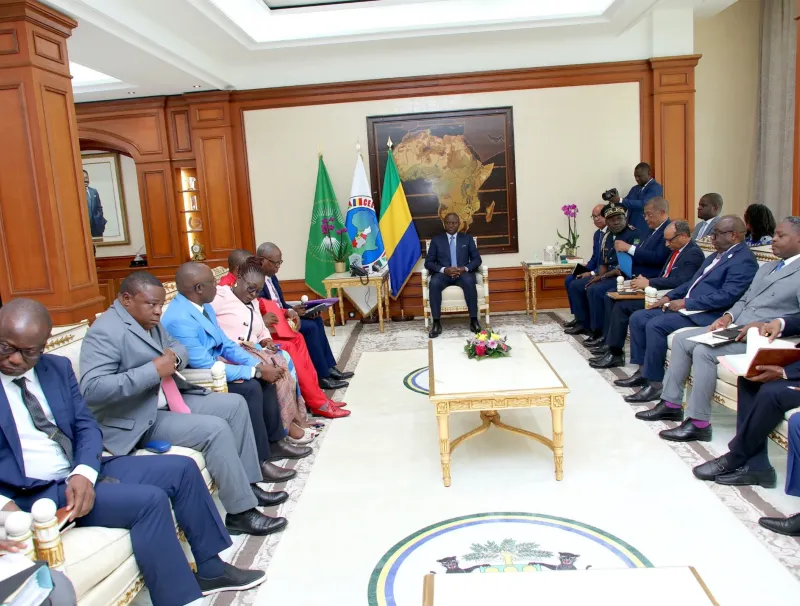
378	480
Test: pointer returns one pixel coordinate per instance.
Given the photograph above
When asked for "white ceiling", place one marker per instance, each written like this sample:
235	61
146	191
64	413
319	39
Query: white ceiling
138	48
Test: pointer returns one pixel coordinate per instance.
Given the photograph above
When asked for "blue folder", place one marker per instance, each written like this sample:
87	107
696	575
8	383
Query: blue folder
625	262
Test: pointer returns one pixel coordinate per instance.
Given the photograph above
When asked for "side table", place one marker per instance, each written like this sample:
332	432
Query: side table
532	272
340	281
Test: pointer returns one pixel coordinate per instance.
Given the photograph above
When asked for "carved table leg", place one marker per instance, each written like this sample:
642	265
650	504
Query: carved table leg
533	279
558	440
379	288
331	313
444	445
341	303
527	291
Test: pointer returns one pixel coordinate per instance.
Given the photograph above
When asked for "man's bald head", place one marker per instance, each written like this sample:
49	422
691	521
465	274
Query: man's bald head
271	258
25	326
236	258
195	281
728	231
597	216
266	249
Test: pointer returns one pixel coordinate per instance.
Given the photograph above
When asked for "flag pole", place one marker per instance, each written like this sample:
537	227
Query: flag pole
370	317
402	317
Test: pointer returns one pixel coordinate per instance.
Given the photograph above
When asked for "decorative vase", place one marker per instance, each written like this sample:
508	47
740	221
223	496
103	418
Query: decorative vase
571	252
339	267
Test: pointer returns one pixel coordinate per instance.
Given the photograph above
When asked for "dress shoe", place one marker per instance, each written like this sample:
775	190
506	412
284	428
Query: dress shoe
646	394
331	383
789	526
272	474
337	374
744	476
571	323
635	380
578	329
436	329
600	350
269	499
475	326
233	579
710	470
253	522
661	412
284	450
331	412
609	360
687	432
594	341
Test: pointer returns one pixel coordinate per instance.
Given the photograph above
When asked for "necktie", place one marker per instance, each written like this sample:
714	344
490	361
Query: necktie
40	420
671	263
779	266
452	251
175	401
205	313
701	234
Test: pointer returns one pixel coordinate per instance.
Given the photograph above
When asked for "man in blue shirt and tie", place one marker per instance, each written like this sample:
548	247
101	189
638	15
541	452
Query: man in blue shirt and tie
452	260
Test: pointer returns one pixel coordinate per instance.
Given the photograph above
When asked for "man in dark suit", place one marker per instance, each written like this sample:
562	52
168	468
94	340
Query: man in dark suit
312	329
789	526
590	290
721	280
709	208
647	259
761	404
452	260
51	447
594	262
684	261
646	188
97	222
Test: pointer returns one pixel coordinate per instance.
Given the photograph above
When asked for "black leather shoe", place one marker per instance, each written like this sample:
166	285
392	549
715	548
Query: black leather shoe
686	432
789	526
594	341
578	329
710	470
661	412
600	350
282	449
646	394
331	383
635	380
609	360
475	326
744	476
436	329
269	499
571	323
234	579
337	374
272	474
253	522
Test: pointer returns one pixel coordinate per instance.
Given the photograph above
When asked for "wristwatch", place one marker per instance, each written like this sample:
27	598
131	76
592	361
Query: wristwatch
258	374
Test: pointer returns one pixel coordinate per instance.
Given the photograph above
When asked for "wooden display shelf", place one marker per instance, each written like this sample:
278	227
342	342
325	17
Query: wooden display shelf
195	210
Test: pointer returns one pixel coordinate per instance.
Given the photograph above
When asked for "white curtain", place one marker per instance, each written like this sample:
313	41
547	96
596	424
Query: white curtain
775	144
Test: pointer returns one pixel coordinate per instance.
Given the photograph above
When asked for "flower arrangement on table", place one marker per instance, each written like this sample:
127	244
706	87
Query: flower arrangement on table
570	244
335	241
487	344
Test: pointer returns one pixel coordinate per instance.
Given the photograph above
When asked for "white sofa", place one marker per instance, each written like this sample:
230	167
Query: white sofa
725	392
99	561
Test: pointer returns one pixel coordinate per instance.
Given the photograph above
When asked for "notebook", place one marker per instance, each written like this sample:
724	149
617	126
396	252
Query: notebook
760	352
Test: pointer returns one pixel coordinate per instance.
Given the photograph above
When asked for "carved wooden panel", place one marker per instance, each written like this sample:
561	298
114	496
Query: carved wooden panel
48	48
141	133
9	45
674	148
181	135
215	175
158	210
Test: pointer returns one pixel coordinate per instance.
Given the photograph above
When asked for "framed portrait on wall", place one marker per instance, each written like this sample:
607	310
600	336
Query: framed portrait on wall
102	180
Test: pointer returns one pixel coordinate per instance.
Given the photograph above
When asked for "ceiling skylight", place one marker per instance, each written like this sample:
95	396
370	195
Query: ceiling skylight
86	76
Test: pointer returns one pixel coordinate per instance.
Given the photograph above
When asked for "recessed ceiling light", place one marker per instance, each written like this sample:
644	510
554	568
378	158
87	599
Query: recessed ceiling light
131	92
198	86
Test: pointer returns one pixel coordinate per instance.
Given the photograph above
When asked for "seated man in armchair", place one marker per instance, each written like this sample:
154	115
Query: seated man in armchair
452	260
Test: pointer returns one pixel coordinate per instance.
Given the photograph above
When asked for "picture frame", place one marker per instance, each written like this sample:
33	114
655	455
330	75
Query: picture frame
105	199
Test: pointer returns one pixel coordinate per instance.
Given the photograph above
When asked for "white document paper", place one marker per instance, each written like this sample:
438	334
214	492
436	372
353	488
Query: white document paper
739	364
687	312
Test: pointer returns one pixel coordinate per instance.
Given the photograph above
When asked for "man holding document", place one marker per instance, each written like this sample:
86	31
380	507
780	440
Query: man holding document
774	293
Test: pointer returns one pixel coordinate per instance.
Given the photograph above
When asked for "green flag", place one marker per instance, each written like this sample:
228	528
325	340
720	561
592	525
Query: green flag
327	237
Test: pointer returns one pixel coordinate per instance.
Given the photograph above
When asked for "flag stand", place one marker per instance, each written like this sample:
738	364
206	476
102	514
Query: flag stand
402	317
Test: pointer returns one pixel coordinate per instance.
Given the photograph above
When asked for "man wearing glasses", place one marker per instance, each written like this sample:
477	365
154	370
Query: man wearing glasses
594	263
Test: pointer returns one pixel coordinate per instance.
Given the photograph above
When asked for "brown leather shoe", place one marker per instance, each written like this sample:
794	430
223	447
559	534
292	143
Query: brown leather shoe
273	474
282	449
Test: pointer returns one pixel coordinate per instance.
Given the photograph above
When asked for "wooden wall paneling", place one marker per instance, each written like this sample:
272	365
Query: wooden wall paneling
159	214
247	230
45	250
179	131
673	131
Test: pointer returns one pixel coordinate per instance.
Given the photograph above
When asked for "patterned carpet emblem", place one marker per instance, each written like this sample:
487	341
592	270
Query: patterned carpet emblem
417	381
487	543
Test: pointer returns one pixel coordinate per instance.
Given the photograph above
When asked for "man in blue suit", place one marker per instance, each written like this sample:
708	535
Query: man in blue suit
647	259
452	260
646	188
594	262
51	447
721	280
312	329
192	321
682	264
97	222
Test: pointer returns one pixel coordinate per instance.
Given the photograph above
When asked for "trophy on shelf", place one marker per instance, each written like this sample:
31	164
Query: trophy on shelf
191	183
193	202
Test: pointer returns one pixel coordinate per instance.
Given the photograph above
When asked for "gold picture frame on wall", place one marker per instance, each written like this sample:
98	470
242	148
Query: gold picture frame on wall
105	199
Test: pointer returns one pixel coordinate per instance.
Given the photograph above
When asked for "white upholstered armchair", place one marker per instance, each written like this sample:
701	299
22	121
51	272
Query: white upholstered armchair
453	297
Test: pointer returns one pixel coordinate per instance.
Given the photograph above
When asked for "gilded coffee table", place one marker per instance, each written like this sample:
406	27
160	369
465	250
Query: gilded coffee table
523	380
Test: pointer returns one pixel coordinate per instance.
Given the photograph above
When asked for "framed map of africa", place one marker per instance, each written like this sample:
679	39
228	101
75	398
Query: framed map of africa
457	161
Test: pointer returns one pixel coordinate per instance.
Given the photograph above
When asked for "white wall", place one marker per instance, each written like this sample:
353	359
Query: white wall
571	144
130	188
727	83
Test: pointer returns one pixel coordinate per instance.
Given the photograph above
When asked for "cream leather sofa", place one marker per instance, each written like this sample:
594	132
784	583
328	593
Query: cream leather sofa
725	392
99	561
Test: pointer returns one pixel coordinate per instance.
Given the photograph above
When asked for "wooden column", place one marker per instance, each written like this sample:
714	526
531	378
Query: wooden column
673	131
796	160
45	243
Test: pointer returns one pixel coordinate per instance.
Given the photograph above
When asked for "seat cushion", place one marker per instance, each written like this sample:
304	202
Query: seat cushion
93	553
454	295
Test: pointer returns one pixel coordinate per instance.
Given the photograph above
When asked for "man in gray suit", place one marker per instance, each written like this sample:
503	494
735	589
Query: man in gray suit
129	377
774	293
709	209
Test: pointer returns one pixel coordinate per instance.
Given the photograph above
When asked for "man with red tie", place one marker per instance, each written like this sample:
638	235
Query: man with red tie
684	261
130	378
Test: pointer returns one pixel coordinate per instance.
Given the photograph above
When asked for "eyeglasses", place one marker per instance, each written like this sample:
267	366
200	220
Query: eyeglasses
7	350
716	234
278	263
251	288
669	240
594	216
